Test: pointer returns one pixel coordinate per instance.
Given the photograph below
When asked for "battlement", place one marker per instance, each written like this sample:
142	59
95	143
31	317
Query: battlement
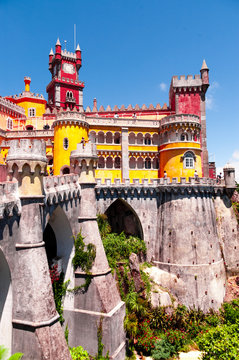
27	149
189	81
27	94
123	108
11	106
71	117
85	150
61	188
68	54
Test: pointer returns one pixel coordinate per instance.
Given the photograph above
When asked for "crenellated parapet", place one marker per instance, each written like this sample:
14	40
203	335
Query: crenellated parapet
180	120
26	162
9	199
60	188
83	161
72	118
155	186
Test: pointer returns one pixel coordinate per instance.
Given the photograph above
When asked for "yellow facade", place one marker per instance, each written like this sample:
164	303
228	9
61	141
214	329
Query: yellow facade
171	159
74	134
28	104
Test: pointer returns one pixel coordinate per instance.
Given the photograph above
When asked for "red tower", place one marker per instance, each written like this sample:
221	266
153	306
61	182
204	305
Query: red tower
65	90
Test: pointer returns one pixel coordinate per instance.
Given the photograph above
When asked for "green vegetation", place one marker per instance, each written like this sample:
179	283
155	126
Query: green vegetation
59	289
4	351
162	333
83	259
78	353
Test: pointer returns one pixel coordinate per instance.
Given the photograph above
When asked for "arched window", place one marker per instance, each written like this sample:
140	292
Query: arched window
132	163
109	162
92	137
140	139
109	137
147	163
9	124
140	163
117	162
65	143
147	139
189	160
101	162
117	138
155	139
165	137
101	137
184	137
155	163
29	127
65	170
132	138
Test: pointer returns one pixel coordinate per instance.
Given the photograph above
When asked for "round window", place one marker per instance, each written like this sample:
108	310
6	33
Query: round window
65	143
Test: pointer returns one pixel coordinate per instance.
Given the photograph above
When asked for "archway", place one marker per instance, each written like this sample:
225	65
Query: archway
59	243
122	217
5	304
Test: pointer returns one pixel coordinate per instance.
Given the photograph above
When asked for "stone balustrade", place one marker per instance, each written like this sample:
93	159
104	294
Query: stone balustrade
60	188
9	199
184	119
11	106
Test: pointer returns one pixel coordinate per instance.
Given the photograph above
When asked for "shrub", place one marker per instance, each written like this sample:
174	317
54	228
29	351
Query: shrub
163	350
221	343
78	353
4	351
176	338
145	341
230	312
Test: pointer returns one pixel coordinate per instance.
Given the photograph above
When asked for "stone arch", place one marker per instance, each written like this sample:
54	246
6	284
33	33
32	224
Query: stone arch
122	217
5	303
140	139
65	170
101	137
59	241
155	139
109	137
132	162
132	138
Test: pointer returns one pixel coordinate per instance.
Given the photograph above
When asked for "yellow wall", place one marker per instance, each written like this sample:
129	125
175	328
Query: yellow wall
171	160
74	133
40	108
143	174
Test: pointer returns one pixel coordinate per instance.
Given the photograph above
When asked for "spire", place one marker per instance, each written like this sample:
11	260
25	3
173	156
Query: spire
78	48
204	65
58	42
51	52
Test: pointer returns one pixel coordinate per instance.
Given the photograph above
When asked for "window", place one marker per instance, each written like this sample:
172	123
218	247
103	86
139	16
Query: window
65	143
188	160
29	127
184	137
9	124
109	162
132	163
117	162
101	162
117	138
147	163
32	112
147	139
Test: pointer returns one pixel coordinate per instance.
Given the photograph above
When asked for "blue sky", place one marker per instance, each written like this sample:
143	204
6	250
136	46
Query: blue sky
130	50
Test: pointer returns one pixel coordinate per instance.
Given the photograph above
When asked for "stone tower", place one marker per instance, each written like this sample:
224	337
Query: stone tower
35	320
65	90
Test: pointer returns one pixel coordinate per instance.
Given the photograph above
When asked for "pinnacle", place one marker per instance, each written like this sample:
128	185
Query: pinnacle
78	48
58	42
51	52
204	65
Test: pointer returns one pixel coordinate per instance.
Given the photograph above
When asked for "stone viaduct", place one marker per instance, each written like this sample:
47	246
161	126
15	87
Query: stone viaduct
189	228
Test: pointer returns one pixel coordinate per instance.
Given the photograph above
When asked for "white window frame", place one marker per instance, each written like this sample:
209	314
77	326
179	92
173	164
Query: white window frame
32	112
9	123
189	160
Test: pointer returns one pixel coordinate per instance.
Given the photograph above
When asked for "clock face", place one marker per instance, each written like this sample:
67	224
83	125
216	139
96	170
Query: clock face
68	68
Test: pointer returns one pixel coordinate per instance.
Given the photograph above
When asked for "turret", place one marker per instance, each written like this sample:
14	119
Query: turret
58	50
27	81
83	161
204	75
70	127
50	59
78	57
26	162
229	176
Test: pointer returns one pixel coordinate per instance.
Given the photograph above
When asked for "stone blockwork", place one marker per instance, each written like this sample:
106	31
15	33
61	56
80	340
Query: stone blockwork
180	227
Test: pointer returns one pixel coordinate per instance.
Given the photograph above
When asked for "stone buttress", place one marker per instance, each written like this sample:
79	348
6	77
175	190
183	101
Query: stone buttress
100	305
36	329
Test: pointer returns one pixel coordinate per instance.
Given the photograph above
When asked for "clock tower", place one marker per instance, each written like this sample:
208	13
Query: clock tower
65	90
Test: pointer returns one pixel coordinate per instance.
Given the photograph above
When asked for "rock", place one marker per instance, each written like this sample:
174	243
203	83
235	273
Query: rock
160	298
135	272
191	355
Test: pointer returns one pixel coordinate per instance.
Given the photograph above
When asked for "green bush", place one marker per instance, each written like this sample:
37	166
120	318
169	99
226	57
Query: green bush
4	351
78	353
230	312
220	343
120	247
163	350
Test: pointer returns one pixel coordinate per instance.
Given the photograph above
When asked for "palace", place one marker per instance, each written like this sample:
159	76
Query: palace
132	142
